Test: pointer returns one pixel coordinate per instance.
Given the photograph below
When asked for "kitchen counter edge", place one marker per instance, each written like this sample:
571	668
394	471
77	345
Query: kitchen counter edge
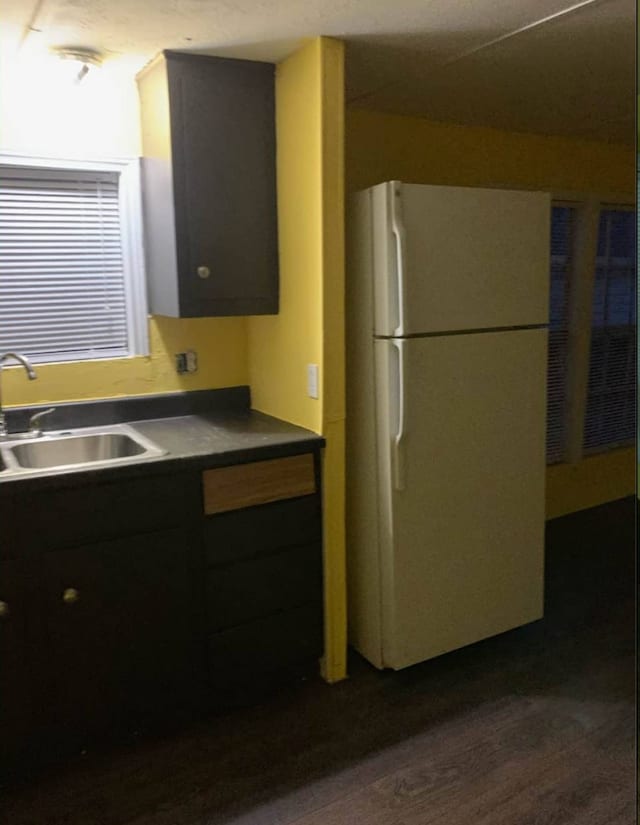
194	442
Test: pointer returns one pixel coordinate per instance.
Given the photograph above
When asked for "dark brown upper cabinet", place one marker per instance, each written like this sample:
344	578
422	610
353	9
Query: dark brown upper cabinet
209	185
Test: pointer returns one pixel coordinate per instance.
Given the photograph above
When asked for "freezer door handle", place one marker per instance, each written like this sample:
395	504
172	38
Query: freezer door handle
398	447
397	228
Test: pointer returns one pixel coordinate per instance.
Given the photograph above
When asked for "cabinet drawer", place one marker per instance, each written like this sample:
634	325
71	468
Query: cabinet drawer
241	534
239	593
100	512
260	482
280	641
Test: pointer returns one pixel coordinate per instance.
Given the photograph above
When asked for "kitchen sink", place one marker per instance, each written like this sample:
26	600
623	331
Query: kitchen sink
77	449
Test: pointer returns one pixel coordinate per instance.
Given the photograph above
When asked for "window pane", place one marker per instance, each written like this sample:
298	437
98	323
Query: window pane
611	400
62	290
562	223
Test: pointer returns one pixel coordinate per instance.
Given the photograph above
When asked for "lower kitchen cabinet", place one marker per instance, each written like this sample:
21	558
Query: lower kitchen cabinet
97	639
119	642
130	604
264	579
16	701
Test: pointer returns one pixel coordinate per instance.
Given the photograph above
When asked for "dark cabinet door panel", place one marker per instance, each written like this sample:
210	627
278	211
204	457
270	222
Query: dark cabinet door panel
16	704
119	630
223	141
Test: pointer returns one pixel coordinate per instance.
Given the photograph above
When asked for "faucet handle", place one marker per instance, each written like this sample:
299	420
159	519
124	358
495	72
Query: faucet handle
34	421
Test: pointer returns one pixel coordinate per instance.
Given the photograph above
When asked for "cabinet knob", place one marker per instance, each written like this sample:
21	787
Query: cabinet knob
4	609
70	595
203	272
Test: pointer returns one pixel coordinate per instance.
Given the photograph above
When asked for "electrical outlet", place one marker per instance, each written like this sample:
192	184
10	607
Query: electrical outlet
186	362
192	360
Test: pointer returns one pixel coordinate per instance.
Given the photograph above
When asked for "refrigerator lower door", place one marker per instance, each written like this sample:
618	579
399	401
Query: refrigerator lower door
461	468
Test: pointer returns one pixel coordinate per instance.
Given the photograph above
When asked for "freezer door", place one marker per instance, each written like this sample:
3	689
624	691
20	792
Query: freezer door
461	461
452	258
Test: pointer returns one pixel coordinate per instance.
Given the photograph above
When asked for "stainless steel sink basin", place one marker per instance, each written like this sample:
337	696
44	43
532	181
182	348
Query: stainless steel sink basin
77	449
80	449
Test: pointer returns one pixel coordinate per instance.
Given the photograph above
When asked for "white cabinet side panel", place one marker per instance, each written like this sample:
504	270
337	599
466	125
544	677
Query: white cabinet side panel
361	509
157	190
466	534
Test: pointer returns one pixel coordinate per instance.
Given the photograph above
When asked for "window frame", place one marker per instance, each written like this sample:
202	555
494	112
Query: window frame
128	170
588	207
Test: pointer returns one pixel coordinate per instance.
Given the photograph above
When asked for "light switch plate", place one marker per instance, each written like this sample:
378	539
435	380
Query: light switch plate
312	381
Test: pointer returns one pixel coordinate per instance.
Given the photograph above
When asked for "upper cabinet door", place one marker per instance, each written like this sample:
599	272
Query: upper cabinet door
458	258
209	186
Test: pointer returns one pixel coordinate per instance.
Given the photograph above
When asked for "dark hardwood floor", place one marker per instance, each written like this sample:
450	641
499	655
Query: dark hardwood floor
535	727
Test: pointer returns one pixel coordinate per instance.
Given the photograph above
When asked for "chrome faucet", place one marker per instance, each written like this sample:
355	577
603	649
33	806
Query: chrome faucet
21	359
35	430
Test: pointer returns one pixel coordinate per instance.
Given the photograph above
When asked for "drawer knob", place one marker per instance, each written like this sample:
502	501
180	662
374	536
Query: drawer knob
70	595
4	609
203	272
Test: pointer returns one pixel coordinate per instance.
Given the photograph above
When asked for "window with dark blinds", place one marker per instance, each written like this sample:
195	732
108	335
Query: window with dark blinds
611	400
562	222
63	290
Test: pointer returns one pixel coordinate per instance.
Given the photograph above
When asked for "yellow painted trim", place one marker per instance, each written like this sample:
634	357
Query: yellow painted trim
334	405
334	663
593	481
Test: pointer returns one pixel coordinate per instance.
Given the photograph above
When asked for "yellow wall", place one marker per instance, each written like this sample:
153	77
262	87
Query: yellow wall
309	327
40	115
280	347
382	147
597	479
222	362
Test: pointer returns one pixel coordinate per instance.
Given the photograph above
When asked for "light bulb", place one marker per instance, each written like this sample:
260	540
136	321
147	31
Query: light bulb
75	63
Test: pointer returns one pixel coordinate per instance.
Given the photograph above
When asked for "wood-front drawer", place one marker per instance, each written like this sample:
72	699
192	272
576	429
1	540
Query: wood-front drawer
260	482
243	592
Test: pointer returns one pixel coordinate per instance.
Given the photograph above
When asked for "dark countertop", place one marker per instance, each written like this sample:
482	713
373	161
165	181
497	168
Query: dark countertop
238	436
194	441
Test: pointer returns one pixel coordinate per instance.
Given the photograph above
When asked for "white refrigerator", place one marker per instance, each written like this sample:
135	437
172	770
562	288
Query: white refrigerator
447	312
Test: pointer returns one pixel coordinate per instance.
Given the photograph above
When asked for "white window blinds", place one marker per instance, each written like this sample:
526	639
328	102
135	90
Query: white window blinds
611	408
62	280
562	223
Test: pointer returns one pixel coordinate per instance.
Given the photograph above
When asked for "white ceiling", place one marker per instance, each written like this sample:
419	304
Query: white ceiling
547	66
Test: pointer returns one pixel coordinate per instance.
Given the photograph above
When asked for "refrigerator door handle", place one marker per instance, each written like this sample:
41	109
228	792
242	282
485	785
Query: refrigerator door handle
399	234
398	451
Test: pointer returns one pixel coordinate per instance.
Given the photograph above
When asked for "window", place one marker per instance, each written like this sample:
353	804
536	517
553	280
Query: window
562	223
611	406
591	377
71	273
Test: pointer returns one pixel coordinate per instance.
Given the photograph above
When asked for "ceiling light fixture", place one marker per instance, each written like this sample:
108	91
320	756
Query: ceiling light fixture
79	60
